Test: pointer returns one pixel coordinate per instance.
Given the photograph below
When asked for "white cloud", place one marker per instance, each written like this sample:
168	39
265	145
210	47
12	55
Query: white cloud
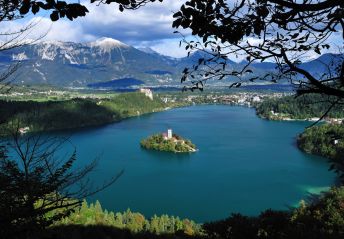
150	25
168	47
43	27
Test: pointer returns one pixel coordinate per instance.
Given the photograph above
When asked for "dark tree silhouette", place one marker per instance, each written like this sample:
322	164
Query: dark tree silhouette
284	32
10	10
37	185
280	31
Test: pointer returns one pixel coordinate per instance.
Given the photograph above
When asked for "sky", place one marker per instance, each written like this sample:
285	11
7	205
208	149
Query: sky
149	26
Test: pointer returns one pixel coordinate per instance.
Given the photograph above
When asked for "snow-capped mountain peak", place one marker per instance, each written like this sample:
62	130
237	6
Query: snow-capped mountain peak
50	50
107	44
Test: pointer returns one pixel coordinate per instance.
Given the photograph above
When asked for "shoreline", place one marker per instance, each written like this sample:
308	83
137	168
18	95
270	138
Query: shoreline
188	104
315	119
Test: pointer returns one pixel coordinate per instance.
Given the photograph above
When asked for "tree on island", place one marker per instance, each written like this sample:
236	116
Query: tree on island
176	144
286	29
283	31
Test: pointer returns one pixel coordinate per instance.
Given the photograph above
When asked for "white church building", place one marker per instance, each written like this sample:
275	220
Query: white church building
168	135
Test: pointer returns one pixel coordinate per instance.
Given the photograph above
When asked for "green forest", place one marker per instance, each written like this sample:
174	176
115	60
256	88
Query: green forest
302	107
93	214
316	217
61	63
325	140
75	113
320	218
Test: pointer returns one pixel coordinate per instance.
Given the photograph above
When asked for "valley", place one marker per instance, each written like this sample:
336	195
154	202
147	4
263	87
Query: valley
73	64
156	119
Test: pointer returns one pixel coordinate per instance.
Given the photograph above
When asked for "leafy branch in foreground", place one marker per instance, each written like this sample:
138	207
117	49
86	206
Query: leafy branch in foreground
282	32
35	180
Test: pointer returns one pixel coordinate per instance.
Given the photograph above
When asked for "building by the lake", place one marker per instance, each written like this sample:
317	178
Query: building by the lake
168	135
147	92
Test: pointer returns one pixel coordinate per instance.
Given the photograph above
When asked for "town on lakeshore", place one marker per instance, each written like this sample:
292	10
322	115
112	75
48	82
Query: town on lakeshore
162	119
145	100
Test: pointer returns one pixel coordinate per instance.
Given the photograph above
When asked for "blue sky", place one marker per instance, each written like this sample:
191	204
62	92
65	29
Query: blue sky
150	26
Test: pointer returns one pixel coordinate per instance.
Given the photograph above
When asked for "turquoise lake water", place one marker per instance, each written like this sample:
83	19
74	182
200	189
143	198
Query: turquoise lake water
244	164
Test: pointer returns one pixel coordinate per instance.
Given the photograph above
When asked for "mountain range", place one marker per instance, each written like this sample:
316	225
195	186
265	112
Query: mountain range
70	64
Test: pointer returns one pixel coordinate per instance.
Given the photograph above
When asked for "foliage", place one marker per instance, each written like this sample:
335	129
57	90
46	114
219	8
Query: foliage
22	188
75	113
93	214
322	218
283	32
11	10
302	107
224	28
326	140
325	216
133	104
34	182
286	30
177	144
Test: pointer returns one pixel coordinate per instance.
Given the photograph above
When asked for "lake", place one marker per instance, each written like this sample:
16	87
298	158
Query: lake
244	164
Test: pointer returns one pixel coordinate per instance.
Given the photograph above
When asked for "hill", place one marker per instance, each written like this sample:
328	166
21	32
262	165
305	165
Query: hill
79	64
70	64
75	113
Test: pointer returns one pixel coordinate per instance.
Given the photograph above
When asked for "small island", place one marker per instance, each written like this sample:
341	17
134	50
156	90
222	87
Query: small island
168	142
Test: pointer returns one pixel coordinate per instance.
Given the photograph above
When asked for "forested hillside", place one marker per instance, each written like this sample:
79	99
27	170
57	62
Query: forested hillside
303	107
93	214
325	140
76	113
318	219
